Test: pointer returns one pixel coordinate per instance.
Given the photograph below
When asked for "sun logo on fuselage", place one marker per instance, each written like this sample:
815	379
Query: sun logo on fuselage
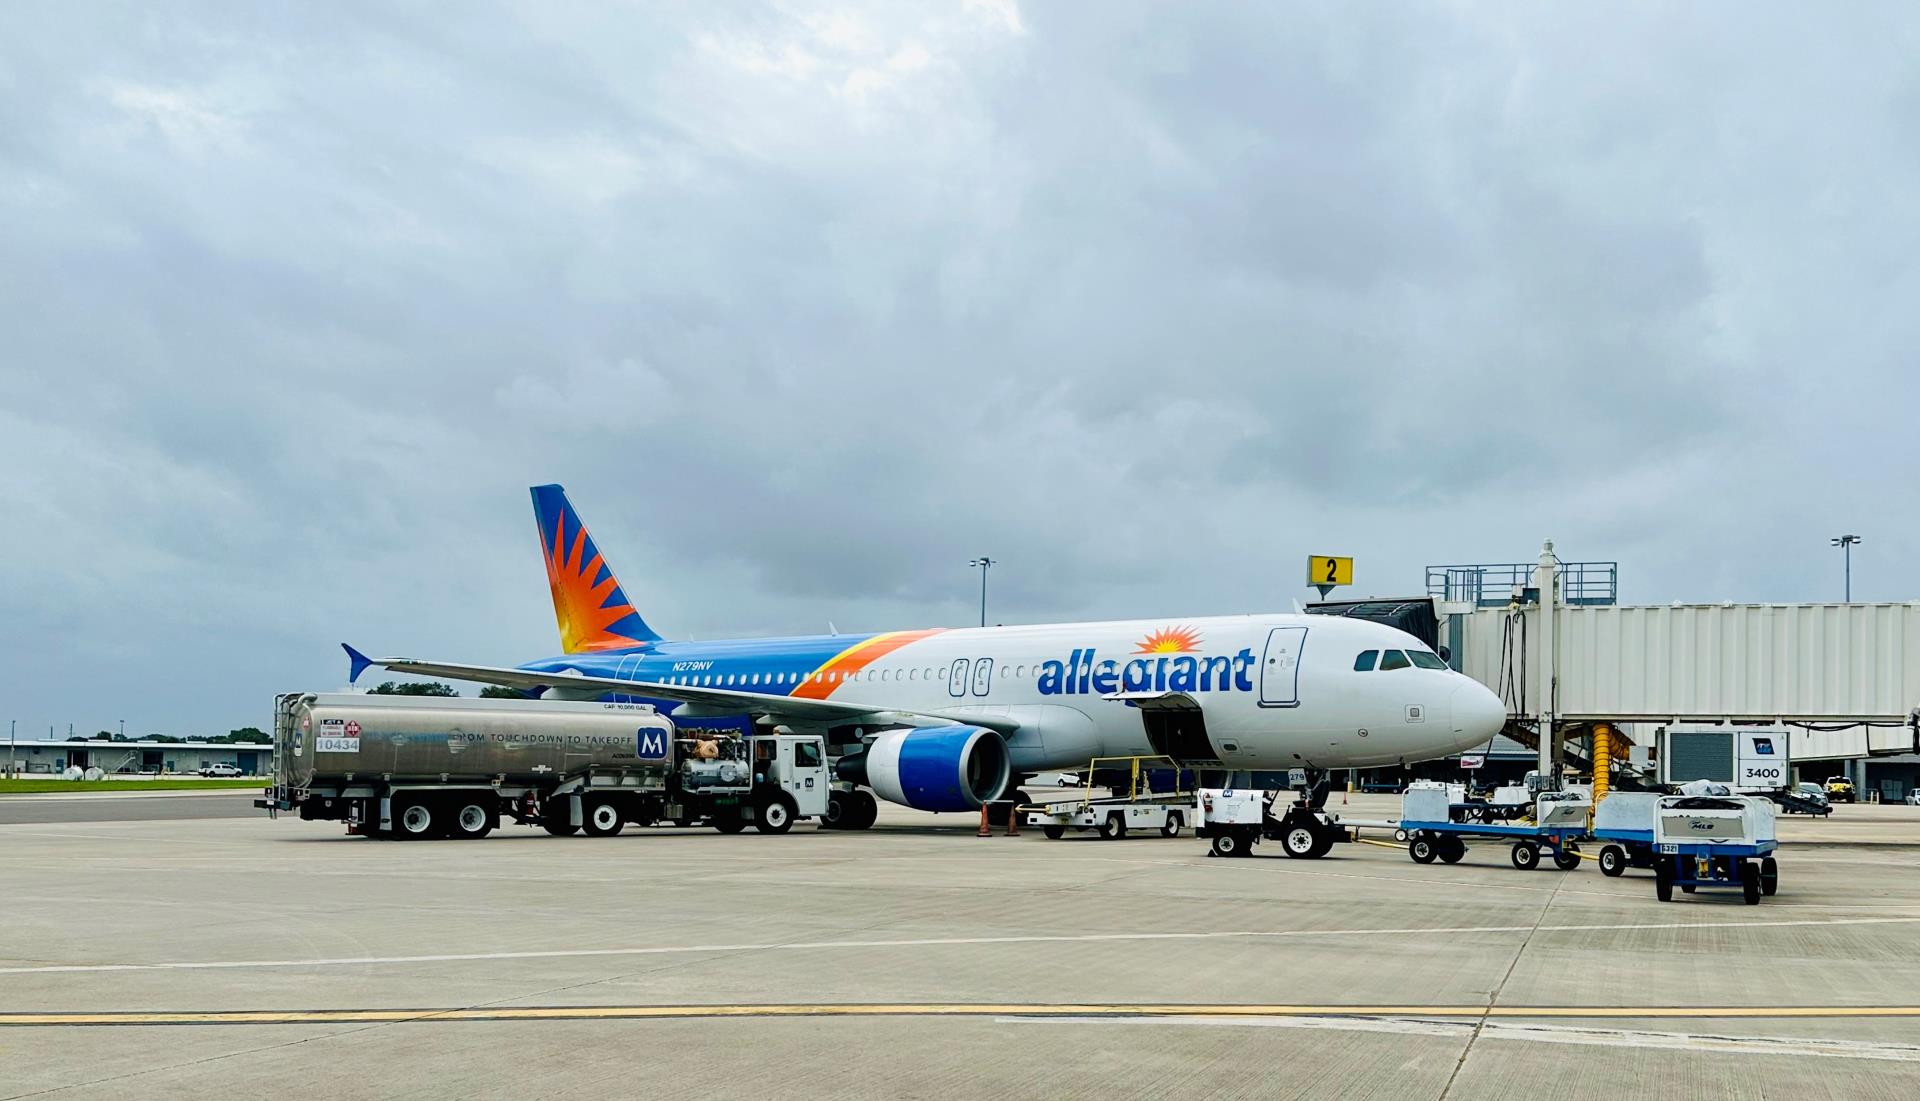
1170	640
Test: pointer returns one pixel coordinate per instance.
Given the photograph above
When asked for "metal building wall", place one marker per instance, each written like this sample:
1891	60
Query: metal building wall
1707	661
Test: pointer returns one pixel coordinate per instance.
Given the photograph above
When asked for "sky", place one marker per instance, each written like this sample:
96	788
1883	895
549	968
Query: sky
808	305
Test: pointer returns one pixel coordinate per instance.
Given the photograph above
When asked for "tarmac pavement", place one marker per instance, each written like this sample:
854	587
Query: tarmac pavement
918	960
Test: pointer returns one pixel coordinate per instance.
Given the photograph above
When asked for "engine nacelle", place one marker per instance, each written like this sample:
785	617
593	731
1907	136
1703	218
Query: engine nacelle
936	768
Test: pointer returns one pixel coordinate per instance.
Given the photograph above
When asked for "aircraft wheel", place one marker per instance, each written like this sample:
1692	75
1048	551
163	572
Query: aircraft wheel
1422	850
839	814
869	811
1769	875
1526	855
1613	861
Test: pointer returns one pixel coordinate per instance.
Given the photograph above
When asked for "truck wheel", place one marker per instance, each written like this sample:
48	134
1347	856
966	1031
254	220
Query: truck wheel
472	820
1324	840
1750	882
1227	844
415	820
1054	833
1171	828
1526	855
774	814
1452	850
1566	859
1299	841
728	823
1422	850
1663	879
559	827
1769	875
603	818
1613	861
839	815
1114	828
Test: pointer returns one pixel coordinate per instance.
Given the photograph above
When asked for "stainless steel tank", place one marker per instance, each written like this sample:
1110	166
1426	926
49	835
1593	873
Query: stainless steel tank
324	738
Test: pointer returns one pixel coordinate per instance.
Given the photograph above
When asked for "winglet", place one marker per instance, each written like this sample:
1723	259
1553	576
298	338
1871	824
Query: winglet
357	663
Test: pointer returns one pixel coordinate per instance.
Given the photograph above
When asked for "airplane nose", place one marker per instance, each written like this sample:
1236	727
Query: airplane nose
1478	714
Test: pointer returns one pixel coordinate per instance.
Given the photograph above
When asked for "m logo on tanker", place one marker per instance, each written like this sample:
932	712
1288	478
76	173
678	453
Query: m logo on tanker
653	745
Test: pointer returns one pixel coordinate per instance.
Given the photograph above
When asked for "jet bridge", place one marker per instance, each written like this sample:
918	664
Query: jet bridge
1848	675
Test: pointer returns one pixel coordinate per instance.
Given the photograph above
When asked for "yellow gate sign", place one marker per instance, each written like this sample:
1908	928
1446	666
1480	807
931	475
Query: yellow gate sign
1329	570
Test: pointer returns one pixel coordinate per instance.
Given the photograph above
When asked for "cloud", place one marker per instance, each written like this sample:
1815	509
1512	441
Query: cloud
809	304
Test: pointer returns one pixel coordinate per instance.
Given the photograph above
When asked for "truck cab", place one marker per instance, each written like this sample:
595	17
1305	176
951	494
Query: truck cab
795	764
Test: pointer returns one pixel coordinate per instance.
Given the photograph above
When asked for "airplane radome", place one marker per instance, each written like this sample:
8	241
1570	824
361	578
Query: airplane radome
945	719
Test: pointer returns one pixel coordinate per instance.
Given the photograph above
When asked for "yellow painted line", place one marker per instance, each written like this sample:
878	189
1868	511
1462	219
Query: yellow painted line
928	1009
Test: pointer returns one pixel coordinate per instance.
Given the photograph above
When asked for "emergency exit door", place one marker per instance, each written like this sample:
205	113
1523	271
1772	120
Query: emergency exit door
1280	667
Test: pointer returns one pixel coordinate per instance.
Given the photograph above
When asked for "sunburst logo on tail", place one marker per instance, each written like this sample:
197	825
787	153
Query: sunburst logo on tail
1170	640
586	599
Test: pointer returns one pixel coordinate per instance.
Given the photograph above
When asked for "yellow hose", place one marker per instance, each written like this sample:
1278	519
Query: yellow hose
1602	761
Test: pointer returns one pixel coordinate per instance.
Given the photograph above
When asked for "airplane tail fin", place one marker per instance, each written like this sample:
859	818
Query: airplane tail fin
591	607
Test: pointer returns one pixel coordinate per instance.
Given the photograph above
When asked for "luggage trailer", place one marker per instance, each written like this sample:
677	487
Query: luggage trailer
1717	842
1129	809
1426	825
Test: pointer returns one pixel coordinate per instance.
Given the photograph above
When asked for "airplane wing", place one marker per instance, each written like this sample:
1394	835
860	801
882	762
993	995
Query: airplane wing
777	708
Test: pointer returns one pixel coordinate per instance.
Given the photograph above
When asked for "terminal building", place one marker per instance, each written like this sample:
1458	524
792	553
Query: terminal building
49	758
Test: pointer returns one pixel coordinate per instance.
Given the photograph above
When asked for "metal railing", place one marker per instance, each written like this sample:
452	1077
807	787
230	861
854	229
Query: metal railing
1492	584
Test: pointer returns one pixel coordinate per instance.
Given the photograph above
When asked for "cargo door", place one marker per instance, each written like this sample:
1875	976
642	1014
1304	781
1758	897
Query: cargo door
1280	667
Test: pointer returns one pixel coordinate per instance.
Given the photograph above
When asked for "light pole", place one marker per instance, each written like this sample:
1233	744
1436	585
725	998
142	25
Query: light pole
983	564
1846	544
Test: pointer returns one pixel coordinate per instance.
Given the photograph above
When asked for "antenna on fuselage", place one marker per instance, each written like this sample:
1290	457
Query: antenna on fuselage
831	629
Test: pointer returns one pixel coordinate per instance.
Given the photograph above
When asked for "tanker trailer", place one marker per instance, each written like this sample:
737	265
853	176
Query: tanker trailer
413	767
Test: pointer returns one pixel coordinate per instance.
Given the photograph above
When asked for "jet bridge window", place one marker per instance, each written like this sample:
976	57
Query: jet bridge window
1424	660
1393	659
1364	663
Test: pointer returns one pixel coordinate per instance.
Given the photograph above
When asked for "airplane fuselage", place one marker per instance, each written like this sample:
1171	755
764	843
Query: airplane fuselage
1246	692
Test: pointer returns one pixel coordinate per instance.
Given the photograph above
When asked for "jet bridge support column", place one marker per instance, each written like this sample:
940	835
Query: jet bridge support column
1545	579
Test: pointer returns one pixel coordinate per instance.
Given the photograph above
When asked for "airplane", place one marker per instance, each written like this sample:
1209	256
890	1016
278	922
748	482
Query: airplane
949	719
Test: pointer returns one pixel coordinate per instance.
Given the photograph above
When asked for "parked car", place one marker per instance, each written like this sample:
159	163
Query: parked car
222	770
1913	797
1804	798
1840	790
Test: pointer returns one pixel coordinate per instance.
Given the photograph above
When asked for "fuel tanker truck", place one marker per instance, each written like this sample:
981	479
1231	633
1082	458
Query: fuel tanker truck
408	767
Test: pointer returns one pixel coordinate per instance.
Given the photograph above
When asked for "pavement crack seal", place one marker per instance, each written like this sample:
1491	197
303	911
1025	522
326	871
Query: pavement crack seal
1493	998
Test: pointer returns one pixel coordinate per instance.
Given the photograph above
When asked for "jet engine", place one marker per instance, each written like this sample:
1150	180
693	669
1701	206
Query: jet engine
936	768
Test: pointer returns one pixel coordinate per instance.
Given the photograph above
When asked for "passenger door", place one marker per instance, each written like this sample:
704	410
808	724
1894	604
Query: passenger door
1280	667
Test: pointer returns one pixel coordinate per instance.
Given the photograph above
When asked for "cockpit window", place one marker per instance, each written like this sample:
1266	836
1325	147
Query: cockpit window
1364	663
1393	659
1425	660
